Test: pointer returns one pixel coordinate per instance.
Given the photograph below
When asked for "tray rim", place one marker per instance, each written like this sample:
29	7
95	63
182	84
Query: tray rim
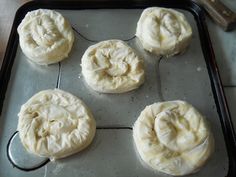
207	49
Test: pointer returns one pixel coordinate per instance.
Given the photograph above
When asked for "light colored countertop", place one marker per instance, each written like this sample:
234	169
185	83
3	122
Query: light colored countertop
8	10
224	44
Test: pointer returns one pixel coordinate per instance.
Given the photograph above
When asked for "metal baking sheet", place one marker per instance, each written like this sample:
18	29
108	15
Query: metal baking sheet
112	152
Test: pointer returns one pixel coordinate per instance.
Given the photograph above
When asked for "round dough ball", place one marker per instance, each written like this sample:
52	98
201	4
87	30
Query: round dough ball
55	124
173	137
163	31
112	67
46	37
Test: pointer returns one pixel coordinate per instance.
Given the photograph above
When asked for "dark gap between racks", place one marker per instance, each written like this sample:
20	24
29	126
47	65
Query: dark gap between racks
90	40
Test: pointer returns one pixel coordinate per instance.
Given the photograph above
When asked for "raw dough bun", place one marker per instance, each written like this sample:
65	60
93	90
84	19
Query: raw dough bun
173	137
55	124
163	31
46	37
112	67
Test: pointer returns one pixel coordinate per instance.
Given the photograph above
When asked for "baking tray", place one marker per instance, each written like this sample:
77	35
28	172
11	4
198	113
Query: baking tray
192	77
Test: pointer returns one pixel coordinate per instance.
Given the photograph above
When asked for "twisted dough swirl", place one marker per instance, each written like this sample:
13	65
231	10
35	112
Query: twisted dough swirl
55	124
173	137
163	31
112	67
46	37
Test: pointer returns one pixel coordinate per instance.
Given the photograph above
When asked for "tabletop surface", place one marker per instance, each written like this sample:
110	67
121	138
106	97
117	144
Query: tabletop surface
224	44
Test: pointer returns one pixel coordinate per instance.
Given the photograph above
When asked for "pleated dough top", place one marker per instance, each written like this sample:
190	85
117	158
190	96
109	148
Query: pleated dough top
55	124
163	31
46	37
173	137
112	67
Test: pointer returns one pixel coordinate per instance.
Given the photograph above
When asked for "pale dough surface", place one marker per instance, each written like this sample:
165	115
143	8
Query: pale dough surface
46	37
55	124
173	137
163	31
112	67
